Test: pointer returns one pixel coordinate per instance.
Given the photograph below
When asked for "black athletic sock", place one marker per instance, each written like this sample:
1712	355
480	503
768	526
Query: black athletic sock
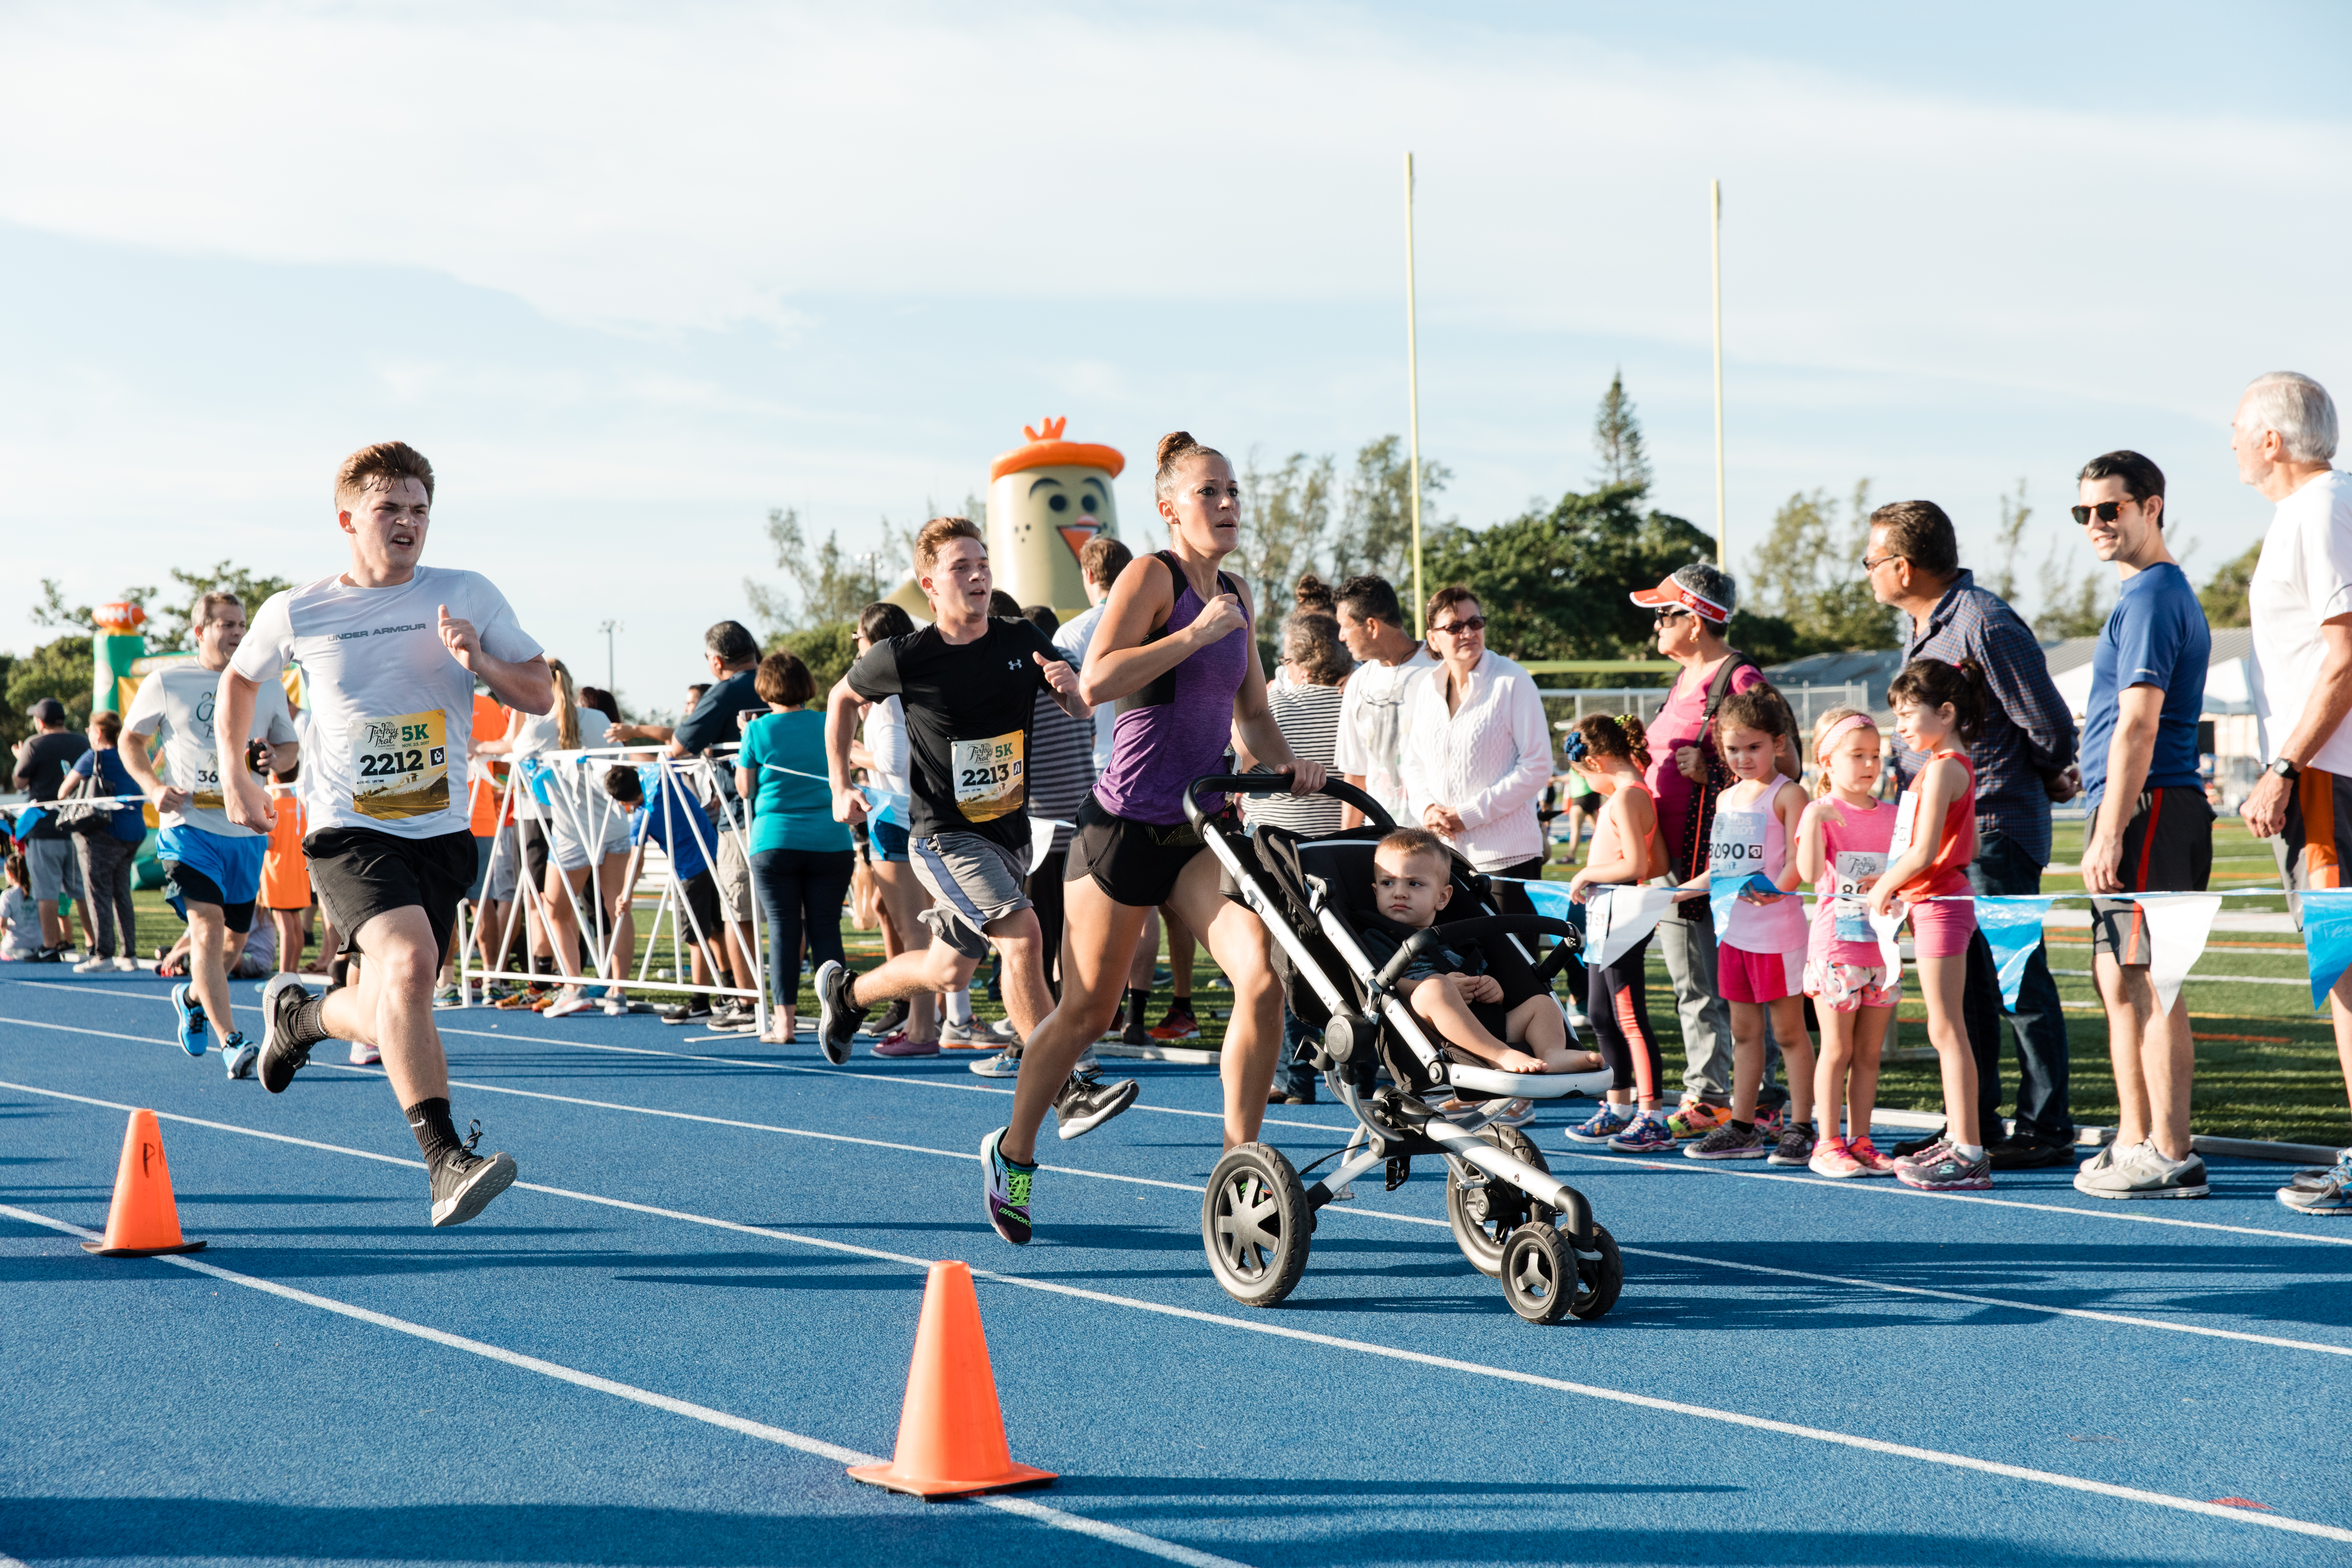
307	1023
1742	1127
1139	1001
435	1133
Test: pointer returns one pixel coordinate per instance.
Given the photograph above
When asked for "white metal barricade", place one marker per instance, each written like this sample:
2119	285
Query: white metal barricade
571	791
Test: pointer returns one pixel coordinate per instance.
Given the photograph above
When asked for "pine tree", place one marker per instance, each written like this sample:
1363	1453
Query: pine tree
1617	437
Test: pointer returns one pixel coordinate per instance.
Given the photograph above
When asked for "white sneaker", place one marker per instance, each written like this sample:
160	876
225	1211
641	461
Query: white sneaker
2140	1171
93	965
573	1000
615	1006
1005	1064
1002	1029
126	965
364	1056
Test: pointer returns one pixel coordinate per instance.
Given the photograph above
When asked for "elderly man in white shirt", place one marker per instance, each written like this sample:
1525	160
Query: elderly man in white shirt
1477	755
2300	603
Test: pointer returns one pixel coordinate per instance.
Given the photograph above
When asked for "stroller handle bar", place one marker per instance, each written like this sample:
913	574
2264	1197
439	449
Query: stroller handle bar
1279	784
1420	941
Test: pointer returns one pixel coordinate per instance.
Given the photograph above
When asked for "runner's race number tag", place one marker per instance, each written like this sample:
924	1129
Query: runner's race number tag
400	766
1851	875
1737	846
989	779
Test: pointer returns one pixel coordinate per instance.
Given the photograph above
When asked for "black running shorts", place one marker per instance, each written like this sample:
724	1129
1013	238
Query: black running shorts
2168	848
1137	863
360	874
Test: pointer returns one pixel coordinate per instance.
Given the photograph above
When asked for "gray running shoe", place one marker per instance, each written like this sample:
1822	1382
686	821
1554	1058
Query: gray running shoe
1728	1143
464	1181
2139	1171
2311	1178
1004	1063
2332	1196
1795	1146
973	1035
837	1016
1086	1102
1947	1174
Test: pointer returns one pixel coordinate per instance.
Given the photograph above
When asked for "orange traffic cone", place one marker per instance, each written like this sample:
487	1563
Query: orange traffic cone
144	1221
951	1432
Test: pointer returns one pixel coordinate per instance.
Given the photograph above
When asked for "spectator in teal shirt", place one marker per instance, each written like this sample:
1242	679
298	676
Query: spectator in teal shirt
802	860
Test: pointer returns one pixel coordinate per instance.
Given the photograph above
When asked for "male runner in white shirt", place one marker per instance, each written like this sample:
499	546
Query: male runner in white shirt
390	651
212	866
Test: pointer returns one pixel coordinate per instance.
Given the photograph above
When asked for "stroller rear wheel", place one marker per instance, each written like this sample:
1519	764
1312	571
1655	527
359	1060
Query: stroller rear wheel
1539	1273
1485	1212
1255	1224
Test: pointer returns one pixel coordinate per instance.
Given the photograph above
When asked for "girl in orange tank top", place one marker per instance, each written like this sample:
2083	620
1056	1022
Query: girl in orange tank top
1939	708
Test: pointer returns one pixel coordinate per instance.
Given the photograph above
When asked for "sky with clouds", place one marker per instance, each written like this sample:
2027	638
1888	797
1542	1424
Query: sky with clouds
631	276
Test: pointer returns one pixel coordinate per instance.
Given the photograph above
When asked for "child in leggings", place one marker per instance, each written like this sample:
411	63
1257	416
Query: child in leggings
1939	708
1610	753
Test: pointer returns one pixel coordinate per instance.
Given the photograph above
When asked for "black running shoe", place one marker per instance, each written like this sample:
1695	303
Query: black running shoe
1086	1102
683	1012
1004	1191
281	1058
464	1182
892	1017
837	1016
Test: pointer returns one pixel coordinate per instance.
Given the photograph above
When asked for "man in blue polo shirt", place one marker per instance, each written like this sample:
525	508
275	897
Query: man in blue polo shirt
2150	830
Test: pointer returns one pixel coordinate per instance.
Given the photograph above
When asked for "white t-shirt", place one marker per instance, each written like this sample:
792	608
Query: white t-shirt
1076	636
539	733
2304	577
178	699
392	713
1374	720
24	938
886	740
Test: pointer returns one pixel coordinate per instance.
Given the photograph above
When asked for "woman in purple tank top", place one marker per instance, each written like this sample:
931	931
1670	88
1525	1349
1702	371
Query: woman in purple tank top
1174	651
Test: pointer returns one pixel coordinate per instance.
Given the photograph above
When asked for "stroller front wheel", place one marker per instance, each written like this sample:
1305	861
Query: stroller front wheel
1255	1224
1539	1273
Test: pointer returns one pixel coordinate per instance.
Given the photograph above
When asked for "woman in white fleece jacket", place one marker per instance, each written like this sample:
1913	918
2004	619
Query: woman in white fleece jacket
1478	752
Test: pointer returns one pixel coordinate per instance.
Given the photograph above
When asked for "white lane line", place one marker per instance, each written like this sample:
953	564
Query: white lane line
2087	1314
1686	1167
1020	1508
833	1072
1334	1342
1895	1189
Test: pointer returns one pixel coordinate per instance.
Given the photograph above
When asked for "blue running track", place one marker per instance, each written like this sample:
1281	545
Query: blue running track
664	1344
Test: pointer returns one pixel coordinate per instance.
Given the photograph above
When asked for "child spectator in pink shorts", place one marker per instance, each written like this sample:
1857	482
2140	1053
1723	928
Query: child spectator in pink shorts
1760	962
1939	708
1842	845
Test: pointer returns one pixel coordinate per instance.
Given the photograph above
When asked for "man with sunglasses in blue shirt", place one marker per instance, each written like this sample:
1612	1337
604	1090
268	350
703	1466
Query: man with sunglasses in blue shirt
2150	828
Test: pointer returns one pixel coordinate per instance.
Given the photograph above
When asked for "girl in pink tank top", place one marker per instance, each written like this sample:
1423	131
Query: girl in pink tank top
1761	947
1939	708
1842	845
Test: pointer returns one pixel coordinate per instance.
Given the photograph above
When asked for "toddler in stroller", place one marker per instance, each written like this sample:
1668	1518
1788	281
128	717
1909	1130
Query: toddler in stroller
1513	1219
1411	884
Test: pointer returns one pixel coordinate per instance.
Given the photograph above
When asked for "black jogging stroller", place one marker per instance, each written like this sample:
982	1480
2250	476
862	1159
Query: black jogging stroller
1513	1220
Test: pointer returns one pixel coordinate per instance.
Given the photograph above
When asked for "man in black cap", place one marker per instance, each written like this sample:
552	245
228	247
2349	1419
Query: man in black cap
42	759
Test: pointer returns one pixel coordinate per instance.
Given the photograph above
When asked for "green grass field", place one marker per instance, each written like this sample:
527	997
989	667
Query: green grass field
2266	1063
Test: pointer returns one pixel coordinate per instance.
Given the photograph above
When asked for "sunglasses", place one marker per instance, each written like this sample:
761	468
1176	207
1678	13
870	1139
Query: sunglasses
1464	626
1663	616
2108	511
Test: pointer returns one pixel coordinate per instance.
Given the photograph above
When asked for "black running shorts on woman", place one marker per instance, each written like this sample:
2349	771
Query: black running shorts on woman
360	874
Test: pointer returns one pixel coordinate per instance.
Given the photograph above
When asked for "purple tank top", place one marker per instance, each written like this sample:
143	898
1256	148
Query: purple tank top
1176	729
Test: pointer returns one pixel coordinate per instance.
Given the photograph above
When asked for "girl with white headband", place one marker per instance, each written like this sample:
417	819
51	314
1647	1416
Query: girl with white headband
1841	846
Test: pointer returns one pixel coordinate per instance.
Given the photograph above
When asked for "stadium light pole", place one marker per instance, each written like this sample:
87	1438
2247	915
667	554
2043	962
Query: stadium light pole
608	628
1413	405
1714	254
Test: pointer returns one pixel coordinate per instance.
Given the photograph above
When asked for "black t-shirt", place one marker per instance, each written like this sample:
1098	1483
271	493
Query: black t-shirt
968	709
44	769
